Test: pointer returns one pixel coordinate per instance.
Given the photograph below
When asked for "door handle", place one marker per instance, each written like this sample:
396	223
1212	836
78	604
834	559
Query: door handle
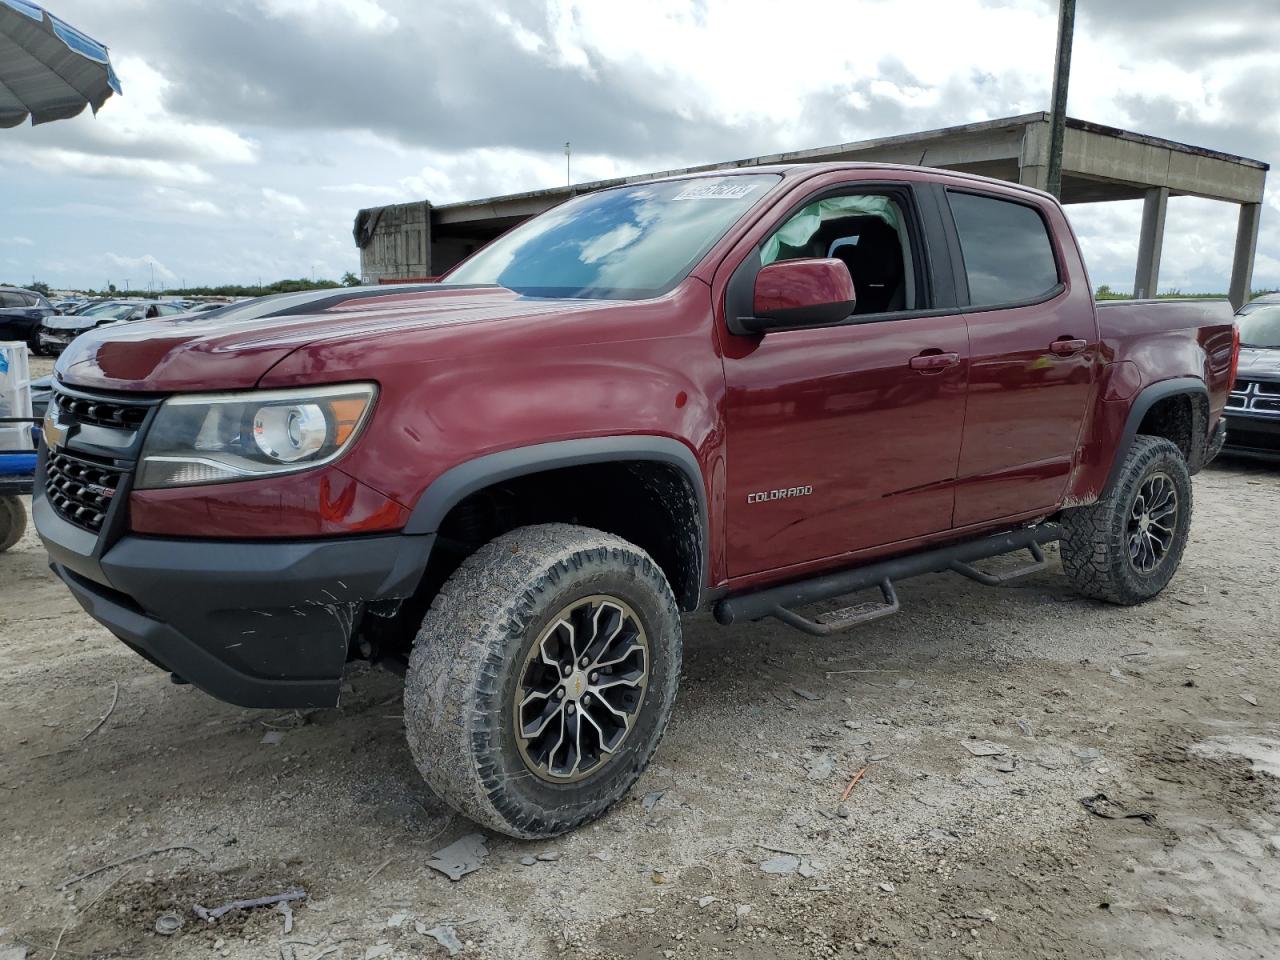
933	362
1065	346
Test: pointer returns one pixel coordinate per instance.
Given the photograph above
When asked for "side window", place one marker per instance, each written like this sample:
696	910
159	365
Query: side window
868	232
10	299
1007	253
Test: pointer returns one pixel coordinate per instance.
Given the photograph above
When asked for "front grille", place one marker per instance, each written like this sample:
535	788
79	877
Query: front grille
80	489
1255	397
102	413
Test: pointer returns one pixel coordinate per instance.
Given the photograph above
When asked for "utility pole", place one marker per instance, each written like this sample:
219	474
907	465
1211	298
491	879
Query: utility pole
568	181
1061	80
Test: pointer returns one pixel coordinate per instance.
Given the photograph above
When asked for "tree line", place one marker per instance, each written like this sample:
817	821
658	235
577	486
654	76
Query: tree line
349	279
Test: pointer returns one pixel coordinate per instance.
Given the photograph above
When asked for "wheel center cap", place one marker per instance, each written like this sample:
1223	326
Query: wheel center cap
1144	523
575	685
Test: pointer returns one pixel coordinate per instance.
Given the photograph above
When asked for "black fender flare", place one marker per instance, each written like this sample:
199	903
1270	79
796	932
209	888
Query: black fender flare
458	482
1147	398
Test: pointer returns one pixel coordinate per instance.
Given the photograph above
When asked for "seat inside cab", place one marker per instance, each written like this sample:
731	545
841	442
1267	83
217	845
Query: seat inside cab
864	232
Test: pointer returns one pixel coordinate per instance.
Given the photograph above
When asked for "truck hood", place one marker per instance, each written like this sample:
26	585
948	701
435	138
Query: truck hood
1258	362
231	352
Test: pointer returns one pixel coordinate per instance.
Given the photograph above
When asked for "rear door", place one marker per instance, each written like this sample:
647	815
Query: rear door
845	437
1033	338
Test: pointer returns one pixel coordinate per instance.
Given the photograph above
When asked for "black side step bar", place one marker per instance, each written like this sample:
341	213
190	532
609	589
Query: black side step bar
1038	563
780	601
844	618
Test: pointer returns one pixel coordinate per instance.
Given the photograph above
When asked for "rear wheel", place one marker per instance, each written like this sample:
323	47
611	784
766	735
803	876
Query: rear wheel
13	522
1126	547
542	678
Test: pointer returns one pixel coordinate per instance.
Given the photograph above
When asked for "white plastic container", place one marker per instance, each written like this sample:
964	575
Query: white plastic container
15	396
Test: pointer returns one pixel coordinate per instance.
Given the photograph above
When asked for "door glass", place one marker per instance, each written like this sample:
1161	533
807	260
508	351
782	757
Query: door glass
1007	254
868	233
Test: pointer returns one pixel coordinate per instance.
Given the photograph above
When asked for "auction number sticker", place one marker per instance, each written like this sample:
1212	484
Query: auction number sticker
726	189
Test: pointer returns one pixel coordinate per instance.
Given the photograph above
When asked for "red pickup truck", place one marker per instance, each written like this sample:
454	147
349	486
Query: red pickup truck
747	391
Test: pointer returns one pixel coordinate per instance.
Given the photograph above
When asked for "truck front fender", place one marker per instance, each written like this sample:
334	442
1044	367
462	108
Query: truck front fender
456	483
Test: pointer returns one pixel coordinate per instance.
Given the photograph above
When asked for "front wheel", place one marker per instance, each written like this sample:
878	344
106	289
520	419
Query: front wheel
13	522
542	678
1126	547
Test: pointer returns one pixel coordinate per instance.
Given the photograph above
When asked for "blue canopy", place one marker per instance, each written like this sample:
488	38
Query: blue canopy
49	70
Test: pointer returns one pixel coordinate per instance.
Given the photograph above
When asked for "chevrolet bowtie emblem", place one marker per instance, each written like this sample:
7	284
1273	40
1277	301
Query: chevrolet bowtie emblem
55	432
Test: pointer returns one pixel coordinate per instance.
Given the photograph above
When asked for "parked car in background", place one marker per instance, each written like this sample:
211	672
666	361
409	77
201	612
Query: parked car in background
41	394
21	312
1253	410
58	331
85	305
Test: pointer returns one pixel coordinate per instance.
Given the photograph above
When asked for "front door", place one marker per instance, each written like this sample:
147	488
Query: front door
846	437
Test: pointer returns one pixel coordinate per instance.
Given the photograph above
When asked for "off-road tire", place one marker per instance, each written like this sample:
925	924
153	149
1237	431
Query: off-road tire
1095	542
13	522
469	656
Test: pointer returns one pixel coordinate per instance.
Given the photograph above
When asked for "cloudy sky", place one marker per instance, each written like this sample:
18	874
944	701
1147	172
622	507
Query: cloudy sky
250	131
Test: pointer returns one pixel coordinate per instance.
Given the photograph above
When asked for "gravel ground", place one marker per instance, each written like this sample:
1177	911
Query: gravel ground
1171	709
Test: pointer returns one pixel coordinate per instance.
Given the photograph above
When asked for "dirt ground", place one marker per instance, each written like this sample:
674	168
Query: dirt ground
1171	709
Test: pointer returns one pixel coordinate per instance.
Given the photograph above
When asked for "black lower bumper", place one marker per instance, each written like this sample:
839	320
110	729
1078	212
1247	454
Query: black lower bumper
259	624
1252	436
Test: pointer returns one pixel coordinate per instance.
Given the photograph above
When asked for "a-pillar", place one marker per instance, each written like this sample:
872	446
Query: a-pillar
1150	242
1246	246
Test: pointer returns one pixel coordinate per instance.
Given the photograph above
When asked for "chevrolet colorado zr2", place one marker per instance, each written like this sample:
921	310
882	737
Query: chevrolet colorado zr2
746	391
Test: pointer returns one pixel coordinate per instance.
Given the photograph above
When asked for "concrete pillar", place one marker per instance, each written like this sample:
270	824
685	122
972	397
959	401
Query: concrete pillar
1150	242
1033	157
1246	246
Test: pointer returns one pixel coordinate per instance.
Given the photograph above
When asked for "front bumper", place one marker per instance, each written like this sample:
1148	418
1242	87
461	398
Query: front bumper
54	342
259	624
1252	436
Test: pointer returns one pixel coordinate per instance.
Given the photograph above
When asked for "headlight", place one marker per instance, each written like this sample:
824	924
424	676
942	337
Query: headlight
215	438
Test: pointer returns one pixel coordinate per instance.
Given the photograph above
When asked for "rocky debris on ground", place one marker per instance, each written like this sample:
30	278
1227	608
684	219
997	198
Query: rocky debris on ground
463	856
984	748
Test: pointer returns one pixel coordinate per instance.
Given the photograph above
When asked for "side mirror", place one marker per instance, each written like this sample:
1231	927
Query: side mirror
801	293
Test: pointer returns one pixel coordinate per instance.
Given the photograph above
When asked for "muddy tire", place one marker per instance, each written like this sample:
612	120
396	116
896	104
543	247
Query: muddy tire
542	678
13	522
1126	547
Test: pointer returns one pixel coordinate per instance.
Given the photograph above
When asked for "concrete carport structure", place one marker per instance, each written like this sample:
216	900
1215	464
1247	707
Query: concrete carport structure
415	240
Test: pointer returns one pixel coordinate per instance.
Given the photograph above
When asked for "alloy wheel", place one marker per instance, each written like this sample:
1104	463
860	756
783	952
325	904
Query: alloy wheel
581	688
1153	520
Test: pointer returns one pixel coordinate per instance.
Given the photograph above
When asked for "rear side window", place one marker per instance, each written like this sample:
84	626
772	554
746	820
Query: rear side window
10	299
1007	254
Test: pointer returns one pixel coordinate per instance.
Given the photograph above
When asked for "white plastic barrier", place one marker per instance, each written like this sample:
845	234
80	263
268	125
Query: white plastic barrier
15	396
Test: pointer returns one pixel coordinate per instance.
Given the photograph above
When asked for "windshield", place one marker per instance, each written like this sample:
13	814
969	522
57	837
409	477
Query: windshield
623	244
99	308
1261	327
114	312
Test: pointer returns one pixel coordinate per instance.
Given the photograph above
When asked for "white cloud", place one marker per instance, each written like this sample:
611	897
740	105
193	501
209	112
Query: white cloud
56	160
139	119
472	174
283	201
141	270
18	241
370	190
365	14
